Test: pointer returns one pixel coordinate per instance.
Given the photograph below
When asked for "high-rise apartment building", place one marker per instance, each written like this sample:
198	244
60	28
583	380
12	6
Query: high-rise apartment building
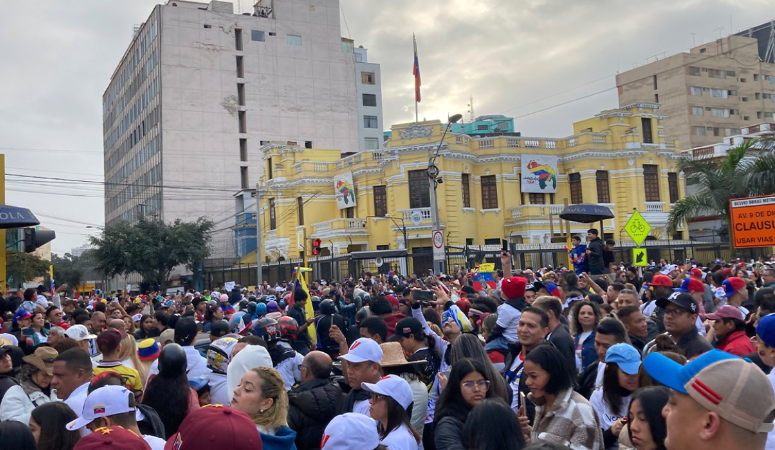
200	88
713	91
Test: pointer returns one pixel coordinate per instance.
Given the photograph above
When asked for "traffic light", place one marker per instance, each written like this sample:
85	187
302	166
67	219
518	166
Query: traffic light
316	247
33	238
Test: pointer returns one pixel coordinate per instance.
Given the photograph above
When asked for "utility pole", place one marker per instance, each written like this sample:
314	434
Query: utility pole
437	236
3	269
259	268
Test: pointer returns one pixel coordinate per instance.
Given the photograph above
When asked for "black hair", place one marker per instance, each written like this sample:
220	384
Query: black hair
611	326
162	318
431	316
492	424
596	299
766	297
380	306
397	416
253	340
610	242
548	303
81	317
575	325
578	238
593	231
739	324
76	358
540	312
51	308
552	361
376	325
613	392
617	286
299	295
51	418
626	311
652	401
100	307
718	277
30	294
16	435
169	396
545	446
186	331
451	402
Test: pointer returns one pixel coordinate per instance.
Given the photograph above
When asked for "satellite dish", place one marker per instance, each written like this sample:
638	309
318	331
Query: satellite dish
379	261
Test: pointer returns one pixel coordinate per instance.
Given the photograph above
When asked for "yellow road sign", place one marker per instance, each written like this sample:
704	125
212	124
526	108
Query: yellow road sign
637	228
639	258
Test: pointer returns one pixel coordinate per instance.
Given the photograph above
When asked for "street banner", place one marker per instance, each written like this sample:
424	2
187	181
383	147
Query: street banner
753	221
539	174
344	189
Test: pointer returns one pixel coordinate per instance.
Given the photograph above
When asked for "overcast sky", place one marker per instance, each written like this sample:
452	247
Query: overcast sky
534	60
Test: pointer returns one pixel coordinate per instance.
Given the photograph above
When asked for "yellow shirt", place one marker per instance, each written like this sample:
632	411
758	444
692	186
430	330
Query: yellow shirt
131	376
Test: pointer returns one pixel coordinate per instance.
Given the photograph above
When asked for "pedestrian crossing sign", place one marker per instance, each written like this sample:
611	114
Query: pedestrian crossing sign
639	258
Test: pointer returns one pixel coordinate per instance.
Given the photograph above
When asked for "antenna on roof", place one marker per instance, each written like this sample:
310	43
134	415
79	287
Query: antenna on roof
471	114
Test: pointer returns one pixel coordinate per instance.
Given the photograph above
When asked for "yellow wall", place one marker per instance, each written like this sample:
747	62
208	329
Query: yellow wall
611	141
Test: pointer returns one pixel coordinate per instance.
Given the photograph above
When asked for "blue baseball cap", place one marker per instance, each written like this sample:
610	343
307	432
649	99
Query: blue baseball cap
732	387
765	329
732	285
625	356
676	376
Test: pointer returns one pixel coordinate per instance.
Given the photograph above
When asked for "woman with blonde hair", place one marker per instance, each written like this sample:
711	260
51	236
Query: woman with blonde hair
261	395
128	356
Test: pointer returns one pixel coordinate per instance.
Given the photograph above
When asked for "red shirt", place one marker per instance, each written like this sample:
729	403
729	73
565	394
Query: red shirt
736	343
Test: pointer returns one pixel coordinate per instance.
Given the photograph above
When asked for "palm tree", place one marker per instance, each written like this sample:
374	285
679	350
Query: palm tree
717	181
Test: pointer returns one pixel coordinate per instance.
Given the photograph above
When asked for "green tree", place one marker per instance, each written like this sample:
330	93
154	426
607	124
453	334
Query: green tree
24	267
70	269
746	171
151	248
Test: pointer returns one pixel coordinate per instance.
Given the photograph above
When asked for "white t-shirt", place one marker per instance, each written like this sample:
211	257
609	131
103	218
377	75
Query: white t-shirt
508	318
362	407
583	337
516	366
599	376
154	442
606	416
400	439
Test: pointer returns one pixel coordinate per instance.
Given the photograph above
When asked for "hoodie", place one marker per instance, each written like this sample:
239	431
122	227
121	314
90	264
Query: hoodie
250	357
282	439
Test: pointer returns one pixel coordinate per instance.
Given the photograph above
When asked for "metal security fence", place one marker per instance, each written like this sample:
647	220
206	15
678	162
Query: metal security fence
418	261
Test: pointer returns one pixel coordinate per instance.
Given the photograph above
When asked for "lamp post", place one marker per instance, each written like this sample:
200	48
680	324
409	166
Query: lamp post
433	181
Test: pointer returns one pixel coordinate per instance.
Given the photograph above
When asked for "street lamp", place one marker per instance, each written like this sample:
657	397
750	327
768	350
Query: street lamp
433	181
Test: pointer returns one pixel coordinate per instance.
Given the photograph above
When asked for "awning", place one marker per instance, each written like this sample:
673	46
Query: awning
586	213
15	217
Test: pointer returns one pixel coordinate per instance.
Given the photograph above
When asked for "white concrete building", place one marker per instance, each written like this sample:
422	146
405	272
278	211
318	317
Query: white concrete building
368	87
200	88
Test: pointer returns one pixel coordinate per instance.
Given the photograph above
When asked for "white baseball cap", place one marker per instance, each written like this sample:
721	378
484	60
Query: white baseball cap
668	268
350	431
79	333
394	387
363	349
103	402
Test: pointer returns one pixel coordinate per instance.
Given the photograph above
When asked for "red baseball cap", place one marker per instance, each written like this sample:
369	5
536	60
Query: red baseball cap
513	287
215	426
696	272
691	285
112	438
662	280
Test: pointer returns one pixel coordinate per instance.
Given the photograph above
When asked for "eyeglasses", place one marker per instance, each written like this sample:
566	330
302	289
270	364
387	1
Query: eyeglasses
378	397
481	384
674	312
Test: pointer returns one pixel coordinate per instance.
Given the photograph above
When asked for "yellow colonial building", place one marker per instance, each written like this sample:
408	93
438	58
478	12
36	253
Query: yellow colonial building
492	188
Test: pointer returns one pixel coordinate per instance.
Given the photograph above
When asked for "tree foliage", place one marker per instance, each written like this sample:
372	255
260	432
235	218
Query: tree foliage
23	267
70	269
151	248
740	174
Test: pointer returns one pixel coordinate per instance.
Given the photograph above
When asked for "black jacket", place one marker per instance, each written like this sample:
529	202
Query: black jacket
595	258
562	340
514	351
587	378
692	344
449	434
311	406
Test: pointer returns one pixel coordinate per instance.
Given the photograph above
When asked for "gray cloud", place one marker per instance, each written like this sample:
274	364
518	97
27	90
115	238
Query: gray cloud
58	57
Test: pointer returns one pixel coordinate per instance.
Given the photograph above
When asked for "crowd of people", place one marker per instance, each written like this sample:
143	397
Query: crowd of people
677	356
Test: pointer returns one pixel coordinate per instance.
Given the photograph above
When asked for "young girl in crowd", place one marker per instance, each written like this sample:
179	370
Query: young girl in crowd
612	399
47	424
391	407
562	415
467	386
647	429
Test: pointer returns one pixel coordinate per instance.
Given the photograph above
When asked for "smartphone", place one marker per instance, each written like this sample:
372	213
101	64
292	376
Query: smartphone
522	399
423	295
504	245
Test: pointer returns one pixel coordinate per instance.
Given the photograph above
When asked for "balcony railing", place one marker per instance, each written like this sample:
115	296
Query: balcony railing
407	214
345	225
654	207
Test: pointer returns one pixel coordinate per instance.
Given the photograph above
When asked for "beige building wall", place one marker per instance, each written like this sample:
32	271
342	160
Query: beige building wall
709	93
